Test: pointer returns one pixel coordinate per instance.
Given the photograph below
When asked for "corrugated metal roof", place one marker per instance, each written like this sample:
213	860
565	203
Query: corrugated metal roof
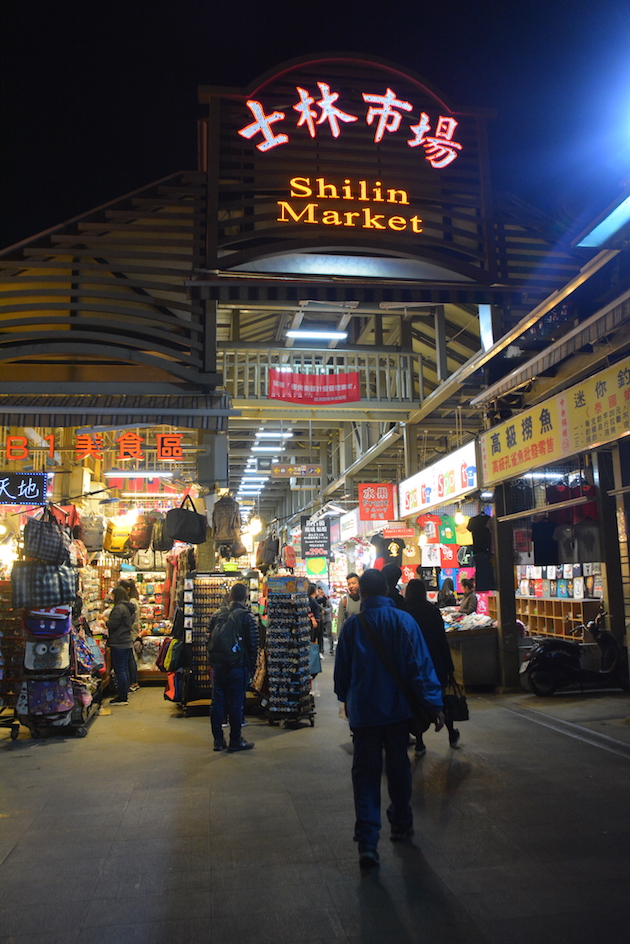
195	412
603	322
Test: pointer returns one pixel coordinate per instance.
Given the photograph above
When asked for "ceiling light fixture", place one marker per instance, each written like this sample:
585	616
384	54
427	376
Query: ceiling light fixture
136	474
309	335
266	448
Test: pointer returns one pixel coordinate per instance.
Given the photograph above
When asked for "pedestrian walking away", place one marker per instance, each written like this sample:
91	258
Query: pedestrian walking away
378	711
232	652
431	628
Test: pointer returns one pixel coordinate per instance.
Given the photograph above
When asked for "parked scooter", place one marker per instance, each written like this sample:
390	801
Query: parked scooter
555	663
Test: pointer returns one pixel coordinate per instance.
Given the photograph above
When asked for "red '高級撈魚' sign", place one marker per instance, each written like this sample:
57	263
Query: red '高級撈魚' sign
313	388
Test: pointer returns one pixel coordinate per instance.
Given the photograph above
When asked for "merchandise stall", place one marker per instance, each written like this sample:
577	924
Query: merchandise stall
456	544
288	651
561	576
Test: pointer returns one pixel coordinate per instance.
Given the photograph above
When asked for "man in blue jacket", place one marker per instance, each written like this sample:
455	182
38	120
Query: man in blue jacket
378	712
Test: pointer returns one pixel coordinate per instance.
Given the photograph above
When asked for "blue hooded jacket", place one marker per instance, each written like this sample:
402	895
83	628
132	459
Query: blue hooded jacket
362	681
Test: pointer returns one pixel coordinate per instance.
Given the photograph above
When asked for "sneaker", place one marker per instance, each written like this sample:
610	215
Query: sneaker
242	745
244	723
453	739
420	750
119	701
220	745
399	835
134	688
368	859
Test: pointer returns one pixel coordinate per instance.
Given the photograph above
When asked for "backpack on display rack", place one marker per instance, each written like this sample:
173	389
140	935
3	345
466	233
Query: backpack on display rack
93	531
140	534
226	520
161	540
289	558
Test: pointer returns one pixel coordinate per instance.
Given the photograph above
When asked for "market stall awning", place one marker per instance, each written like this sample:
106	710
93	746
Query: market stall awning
209	411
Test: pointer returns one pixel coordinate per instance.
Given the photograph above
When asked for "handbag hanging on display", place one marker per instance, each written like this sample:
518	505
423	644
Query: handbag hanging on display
455	704
186	524
46	540
35	584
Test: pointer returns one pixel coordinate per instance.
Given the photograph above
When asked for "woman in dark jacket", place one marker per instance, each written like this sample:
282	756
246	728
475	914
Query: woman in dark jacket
120	641
446	596
431	624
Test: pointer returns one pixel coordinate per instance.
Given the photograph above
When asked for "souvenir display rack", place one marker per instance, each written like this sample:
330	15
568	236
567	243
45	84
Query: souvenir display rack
153	624
288	650
11	658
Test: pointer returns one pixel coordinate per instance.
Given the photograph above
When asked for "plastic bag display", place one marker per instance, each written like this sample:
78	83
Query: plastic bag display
46	540
35	584
186	524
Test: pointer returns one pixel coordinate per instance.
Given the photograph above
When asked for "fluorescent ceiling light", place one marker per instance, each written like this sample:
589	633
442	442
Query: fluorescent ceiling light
317	335
133	474
159	496
265	448
269	435
608	226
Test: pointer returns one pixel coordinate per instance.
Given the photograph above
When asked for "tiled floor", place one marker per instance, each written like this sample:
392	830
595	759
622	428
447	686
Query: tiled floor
140	834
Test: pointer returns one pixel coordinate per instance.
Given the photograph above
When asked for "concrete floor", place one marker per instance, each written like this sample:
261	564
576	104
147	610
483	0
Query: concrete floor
140	833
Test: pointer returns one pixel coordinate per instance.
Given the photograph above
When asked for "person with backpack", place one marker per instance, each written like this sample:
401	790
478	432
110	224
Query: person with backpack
232	652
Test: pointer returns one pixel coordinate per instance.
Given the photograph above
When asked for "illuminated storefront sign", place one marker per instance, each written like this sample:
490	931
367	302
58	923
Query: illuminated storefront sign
584	416
376	502
443	481
129	445
344	189
23	488
384	113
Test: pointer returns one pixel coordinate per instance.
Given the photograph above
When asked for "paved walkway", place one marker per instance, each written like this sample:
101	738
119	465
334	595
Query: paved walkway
140	833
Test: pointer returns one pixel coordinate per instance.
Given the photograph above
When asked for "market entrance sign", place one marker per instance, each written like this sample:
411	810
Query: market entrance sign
384	112
584	416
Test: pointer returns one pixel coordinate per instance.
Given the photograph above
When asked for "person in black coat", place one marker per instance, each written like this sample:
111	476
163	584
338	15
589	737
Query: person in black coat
392	574
431	624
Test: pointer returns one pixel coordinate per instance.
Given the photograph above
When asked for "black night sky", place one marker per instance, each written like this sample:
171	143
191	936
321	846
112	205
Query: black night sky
100	98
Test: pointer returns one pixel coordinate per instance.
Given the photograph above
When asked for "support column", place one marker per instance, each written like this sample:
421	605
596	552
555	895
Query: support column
611	555
410	445
509	660
440	343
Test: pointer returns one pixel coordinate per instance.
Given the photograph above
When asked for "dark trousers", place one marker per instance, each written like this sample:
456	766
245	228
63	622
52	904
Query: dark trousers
367	769
133	668
120	665
228	693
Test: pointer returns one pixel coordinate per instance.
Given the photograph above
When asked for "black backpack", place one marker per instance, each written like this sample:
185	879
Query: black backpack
225	643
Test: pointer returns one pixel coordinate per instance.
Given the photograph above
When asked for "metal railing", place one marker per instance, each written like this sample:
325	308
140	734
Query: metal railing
384	377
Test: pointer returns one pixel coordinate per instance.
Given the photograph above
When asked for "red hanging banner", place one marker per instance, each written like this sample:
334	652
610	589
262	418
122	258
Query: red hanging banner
376	502
313	388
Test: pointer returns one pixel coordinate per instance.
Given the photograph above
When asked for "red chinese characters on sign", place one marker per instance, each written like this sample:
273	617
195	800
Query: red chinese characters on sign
313	388
129	446
384	111
86	446
169	446
376	502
